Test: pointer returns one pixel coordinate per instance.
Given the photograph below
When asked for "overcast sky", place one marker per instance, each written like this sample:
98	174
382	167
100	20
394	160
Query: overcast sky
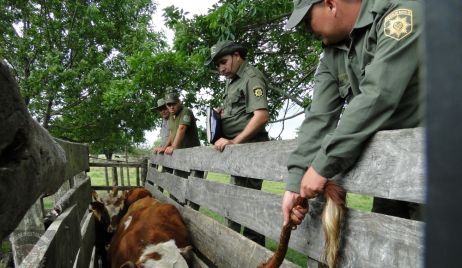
201	7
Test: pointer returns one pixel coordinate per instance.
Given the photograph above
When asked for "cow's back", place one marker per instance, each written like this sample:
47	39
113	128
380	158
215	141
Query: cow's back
147	222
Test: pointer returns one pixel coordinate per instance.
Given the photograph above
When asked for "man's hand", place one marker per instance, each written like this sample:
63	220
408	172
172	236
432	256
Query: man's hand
159	150
221	144
312	184
297	214
169	150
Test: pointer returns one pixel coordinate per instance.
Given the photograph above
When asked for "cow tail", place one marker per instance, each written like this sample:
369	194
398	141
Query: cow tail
332	219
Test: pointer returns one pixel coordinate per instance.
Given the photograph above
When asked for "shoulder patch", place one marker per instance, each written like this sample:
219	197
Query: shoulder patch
186	118
258	91
398	24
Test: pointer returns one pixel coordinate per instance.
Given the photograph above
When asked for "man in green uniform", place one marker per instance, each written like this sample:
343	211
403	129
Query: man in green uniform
181	125
370	71
245	110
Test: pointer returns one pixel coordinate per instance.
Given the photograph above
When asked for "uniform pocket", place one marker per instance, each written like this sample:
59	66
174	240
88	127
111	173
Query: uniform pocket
234	102
344	90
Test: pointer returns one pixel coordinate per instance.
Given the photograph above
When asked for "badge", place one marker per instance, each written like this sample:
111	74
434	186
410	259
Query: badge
186	118
258	91
398	24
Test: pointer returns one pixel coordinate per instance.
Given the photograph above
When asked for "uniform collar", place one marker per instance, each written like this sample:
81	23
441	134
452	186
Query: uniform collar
344	45
369	8
365	16
240	71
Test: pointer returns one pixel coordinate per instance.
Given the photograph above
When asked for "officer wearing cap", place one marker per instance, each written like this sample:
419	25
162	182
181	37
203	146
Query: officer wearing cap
245	110
369	75
164	113
181	125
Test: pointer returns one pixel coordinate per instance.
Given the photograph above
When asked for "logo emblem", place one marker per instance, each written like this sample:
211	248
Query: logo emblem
213	50
398	24
258	91
186	118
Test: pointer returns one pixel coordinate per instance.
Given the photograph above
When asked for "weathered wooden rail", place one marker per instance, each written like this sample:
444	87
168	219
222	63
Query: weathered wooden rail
391	167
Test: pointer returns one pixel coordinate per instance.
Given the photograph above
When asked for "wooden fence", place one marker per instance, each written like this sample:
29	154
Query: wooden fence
68	240
117	173
391	167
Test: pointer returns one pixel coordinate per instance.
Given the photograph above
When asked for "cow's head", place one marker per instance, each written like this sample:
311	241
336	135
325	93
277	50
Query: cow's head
113	204
165	255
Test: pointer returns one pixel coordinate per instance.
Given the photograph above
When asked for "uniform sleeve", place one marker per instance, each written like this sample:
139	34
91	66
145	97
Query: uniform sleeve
256	95
186	117
321	118
391	71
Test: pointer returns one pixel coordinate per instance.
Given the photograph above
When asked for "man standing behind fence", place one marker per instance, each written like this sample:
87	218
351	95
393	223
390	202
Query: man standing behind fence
245	111
380	83
181	125
164	113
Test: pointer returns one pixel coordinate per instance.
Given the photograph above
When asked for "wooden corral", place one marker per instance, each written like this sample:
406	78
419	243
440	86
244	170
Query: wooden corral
33	165
391	167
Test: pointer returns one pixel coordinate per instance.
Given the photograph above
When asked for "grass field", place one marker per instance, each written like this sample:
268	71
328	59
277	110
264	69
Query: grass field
359	202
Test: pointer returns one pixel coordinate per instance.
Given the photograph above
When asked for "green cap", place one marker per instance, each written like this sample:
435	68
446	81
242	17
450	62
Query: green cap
301	7
222	48
172	97
160	103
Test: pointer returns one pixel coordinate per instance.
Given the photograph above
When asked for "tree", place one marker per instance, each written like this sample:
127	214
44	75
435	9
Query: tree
77	64
288	58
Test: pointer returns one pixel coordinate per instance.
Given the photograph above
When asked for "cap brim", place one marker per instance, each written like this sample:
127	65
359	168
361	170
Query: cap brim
208	61
297	16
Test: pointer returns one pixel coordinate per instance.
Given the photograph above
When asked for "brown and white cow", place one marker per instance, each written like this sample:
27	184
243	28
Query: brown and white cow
151	234
108	209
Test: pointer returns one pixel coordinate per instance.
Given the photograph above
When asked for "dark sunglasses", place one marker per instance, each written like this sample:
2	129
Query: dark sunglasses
171	104
162	108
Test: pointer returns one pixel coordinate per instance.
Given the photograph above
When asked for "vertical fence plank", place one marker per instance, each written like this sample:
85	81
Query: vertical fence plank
115	181
106	177
138	176
197	174
122	176
128	176
144	170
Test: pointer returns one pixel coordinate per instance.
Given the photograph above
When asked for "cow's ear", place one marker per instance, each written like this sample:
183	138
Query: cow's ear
128	264
94	194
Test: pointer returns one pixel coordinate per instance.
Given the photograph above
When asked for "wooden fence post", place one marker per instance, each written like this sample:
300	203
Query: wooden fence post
115	181
197	174
144	170
138	183
442	69
128	176
106	177
122	176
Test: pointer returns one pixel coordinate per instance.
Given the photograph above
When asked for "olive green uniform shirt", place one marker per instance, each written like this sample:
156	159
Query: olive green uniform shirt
184	117
244	94
373	83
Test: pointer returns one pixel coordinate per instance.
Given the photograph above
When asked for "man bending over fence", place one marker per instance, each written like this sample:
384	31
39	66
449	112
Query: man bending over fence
369	74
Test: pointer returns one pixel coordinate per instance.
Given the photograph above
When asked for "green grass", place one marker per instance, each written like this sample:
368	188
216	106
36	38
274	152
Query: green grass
97	175
355	201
